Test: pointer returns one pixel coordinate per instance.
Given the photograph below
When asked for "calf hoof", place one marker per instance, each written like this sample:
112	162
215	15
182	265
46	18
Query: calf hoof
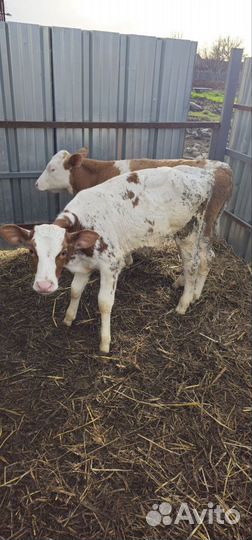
195	298
104	347
180	309
67	321
179	282
128	260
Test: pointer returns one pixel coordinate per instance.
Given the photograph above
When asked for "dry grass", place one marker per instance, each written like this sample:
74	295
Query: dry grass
89	443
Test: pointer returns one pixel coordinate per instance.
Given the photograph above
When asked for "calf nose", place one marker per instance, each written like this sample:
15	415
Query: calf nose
36	184
44	286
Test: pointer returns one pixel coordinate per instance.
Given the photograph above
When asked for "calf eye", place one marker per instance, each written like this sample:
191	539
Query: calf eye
63	252
31	251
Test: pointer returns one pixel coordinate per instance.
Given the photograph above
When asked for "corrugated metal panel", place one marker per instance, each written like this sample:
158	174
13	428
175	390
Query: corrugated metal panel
69	74
70	57
26	89
104	91
176	72
240	140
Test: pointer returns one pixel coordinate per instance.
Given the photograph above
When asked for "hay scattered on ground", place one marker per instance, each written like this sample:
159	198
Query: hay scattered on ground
88	443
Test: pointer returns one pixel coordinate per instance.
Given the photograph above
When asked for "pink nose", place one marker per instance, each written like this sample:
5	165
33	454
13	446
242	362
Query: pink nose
44	286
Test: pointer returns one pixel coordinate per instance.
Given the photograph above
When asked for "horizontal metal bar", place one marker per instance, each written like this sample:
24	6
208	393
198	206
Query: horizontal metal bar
238	220
241	107
108	125
237	155
20	174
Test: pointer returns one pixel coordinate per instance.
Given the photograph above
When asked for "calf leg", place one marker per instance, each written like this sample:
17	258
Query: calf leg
206	254
106	299
77	287
189	253
180	281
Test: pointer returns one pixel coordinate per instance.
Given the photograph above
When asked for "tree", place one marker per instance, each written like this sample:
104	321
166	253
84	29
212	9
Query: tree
221	48
176	35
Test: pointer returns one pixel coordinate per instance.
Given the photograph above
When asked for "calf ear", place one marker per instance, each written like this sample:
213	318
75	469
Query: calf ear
14	234
74	160
83	239
83	151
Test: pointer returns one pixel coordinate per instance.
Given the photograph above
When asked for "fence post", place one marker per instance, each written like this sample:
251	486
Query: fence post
220	136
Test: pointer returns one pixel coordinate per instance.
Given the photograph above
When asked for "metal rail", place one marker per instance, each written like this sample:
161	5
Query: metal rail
238	155
106	125
241	107
238	220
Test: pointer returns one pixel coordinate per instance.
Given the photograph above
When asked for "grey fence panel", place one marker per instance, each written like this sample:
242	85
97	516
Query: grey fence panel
176	72
8	140
28	75
138	99
104	83
68	74
68	77
240	140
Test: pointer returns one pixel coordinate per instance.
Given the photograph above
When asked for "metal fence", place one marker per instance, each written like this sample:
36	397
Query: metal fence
239	151
68	75
122	96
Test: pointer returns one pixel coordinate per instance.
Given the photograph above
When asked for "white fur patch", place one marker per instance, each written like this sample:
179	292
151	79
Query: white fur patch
55	177
123	165
48	240
212	165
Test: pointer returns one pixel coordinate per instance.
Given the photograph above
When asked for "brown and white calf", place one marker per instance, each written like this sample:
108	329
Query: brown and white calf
74	172
101	226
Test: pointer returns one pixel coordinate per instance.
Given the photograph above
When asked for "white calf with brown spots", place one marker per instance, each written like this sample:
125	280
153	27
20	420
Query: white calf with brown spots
101	226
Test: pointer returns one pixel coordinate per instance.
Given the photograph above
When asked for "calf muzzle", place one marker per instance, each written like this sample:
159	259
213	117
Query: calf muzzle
44	287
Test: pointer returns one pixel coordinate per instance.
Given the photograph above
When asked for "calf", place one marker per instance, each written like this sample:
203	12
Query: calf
101	226
74	172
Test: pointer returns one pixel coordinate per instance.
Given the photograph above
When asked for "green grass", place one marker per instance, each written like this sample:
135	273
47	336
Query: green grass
215	96
205	116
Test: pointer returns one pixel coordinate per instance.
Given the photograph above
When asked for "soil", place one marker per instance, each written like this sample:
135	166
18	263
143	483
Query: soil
197	140
90	443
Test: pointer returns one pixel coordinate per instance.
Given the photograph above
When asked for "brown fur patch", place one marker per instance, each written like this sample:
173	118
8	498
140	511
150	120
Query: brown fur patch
222	190
88	251
60	263
138	164
91	173
187	229
128	194
102	246
66	223
62	260
63	222
133	178
135	202
150	221
202	207
33	252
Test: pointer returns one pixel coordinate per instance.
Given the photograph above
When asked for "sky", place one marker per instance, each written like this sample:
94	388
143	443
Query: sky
198	20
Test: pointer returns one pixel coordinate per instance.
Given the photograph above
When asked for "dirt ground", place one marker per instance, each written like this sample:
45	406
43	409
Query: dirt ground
89	444
197	140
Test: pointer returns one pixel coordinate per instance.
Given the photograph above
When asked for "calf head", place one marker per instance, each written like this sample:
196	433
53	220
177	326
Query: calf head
56	176
51	247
